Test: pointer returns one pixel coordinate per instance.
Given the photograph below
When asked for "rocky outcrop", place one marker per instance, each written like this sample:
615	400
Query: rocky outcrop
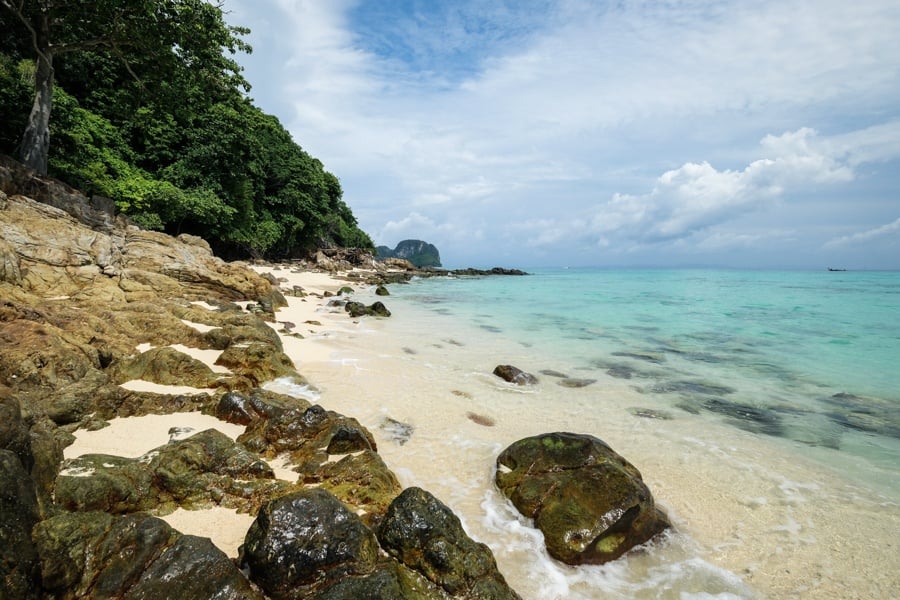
88	303
307	540
590	503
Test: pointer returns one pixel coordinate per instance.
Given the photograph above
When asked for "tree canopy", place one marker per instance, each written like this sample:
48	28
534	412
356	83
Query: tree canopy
150	109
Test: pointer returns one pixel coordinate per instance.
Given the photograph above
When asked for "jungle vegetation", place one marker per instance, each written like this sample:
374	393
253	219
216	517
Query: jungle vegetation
143	102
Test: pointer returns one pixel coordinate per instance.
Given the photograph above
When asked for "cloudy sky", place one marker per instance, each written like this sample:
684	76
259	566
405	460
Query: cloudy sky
528	133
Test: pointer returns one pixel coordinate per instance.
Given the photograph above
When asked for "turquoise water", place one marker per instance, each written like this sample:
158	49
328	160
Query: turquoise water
810	357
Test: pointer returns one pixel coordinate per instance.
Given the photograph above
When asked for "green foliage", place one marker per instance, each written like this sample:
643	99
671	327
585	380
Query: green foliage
154	115
16	80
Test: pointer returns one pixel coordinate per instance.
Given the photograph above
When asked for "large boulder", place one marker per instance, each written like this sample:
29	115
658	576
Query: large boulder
97	555
424	534
590	503
306	540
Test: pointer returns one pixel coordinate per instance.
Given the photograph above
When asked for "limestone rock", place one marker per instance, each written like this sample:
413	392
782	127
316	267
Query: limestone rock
590	503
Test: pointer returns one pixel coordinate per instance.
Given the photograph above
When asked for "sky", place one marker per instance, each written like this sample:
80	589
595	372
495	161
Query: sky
530	133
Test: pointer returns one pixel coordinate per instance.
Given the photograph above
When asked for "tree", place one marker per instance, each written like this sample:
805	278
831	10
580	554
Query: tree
189	34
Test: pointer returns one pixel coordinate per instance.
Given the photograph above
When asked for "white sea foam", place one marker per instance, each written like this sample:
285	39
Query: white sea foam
289	387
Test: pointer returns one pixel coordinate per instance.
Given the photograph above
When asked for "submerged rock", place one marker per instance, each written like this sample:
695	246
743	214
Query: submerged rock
590	503
574	382
514	375
398	431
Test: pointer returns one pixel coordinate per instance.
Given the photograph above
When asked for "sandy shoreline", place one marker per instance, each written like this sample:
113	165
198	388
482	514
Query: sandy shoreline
757	523
132	437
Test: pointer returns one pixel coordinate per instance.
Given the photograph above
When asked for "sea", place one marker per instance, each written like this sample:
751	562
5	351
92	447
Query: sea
761	407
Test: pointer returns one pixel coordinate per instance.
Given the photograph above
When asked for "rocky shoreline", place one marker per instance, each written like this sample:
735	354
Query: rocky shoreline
91	304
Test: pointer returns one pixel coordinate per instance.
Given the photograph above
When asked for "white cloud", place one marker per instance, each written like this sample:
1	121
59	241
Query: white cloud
863	237
591	100
697	196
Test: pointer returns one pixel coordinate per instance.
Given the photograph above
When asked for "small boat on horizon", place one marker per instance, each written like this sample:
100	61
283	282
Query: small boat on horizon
836	270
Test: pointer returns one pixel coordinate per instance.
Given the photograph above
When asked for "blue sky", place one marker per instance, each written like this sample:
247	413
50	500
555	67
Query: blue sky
528	133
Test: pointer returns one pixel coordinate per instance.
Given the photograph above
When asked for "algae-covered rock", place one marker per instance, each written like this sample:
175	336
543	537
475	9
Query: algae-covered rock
358	309
590	503
424	534
207	467
166	366
103	482
97	555
192	468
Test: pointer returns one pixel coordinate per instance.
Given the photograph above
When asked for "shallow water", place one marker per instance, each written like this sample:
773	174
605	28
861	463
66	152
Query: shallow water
777	459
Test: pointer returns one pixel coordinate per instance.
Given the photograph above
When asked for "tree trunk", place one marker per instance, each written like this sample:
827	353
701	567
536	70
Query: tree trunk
36	140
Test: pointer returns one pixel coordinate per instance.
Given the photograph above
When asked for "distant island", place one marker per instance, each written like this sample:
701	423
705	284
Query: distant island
419	253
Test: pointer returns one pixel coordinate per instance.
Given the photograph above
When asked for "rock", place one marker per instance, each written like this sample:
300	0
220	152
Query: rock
574	382
190	469
514	375
590	503
358	309
311	438
651	413
13	430
166	366
361	481
19	566
258	362
552	373
382	291
423	534
113	484
205	468
305	540
97	555
241	409
389	581
397	430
